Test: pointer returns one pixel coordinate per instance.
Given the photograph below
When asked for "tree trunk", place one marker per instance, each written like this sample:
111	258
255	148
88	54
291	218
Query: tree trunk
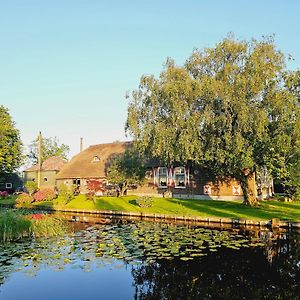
123	188
249	198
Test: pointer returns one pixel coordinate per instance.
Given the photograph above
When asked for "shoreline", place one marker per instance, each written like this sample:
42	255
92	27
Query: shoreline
273	223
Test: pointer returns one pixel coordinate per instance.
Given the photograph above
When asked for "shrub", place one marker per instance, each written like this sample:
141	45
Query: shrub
144	201
31	187
3	194
45	194
95	187
23	200
66	193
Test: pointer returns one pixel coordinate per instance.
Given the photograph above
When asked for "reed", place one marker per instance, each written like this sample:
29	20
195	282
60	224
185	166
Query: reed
13	226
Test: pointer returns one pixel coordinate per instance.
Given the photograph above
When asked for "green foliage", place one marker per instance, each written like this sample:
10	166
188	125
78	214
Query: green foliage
10	143
126	169
226	110
66	193
46	226
31	187
144	201
23	200
13	227
50	147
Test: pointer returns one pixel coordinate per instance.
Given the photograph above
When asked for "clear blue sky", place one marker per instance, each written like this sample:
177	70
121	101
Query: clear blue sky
65	65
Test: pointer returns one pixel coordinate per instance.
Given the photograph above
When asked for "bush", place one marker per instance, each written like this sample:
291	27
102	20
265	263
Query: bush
144	201
23	200
66	193
45	194
3	194
31	187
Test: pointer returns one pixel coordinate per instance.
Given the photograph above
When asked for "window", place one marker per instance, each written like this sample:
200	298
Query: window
45	179
96	159
162	177
179	177
8	185
76	182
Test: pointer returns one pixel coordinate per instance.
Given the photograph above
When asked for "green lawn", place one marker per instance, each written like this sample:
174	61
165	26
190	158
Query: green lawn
211	208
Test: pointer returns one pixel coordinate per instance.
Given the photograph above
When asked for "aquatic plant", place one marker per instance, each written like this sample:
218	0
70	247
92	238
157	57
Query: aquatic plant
13	226
46	225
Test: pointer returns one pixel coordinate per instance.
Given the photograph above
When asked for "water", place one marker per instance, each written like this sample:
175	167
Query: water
152	261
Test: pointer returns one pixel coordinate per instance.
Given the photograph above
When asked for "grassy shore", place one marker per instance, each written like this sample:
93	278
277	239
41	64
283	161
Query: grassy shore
266	210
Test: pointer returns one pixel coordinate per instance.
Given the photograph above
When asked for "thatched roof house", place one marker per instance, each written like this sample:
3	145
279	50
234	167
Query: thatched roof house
49	169
91	163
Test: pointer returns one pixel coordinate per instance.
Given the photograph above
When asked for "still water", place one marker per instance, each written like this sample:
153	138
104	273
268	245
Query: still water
124	260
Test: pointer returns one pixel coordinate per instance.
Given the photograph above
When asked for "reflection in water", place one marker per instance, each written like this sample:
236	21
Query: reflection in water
162	262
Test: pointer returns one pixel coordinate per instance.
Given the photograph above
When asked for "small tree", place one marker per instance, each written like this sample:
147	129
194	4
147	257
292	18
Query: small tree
125	170
94	186
66	193
31	187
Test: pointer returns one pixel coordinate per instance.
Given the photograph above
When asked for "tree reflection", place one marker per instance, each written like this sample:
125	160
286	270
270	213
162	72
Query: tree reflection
226	274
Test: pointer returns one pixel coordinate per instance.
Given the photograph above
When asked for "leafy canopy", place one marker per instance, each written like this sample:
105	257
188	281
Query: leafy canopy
50	147
10	143
126	169
227	109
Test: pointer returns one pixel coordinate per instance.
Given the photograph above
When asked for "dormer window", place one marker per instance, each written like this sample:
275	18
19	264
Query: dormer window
96	159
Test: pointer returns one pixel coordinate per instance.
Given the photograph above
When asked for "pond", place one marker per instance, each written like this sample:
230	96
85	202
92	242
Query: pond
143	260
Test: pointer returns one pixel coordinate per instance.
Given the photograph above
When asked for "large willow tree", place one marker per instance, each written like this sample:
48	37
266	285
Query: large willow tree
227	109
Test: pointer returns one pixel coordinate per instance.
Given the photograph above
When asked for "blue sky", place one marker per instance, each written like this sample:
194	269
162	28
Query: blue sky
65	65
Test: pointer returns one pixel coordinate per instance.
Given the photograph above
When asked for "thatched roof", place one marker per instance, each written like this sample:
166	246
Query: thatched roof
53	163
93	161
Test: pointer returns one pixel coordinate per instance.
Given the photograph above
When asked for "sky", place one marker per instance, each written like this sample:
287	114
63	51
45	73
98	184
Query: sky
66	65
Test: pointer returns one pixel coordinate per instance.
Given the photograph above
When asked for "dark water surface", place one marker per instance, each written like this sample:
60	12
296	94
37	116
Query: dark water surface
153	261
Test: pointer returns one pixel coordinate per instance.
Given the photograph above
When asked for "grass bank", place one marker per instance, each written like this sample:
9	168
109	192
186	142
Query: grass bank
207	208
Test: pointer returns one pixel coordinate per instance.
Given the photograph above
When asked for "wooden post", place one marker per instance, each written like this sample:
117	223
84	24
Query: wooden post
39	159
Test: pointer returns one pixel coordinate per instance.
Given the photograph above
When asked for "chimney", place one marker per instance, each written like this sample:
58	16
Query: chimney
81	144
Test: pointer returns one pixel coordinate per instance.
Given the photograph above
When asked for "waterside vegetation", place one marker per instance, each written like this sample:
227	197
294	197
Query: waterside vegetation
265	210
15	225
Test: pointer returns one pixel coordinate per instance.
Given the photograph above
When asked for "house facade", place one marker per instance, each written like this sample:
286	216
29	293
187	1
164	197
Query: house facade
49	170
190	183
161	181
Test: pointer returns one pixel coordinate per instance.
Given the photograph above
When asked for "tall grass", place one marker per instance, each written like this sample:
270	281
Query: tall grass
13	226
48	226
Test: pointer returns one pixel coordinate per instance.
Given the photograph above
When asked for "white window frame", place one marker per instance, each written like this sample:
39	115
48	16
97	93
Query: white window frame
184	180
8	185
158	177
